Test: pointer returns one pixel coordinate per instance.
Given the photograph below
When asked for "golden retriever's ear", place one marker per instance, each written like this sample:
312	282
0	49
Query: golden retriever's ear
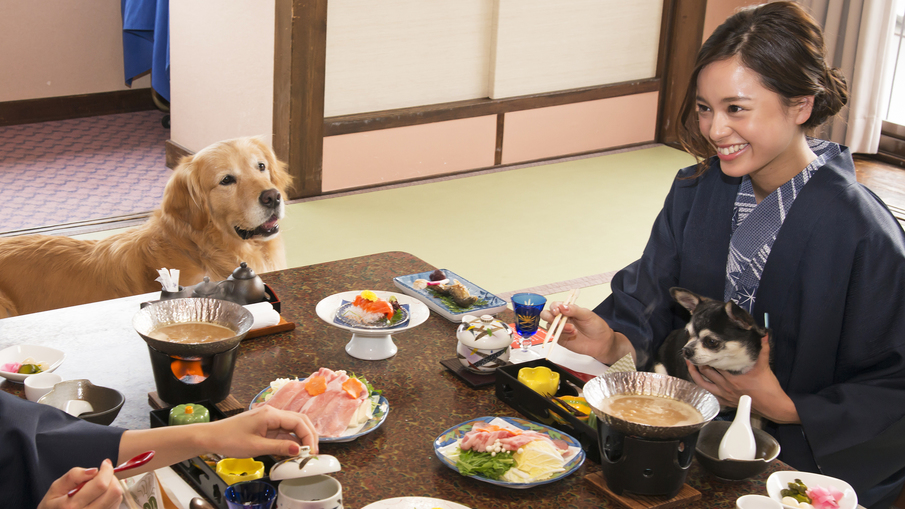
279	175
182	197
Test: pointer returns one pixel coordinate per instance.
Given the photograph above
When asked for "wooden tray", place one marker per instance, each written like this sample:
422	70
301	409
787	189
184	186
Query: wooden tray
283	326
631	501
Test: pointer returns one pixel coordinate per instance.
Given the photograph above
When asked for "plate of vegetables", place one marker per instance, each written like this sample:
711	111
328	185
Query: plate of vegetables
794	489
370	416
509	452
21	361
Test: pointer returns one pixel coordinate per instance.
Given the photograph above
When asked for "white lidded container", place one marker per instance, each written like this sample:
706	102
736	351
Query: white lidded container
305	483
484	343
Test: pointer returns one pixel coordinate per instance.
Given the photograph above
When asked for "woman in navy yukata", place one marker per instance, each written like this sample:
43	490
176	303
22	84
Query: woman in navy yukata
777	222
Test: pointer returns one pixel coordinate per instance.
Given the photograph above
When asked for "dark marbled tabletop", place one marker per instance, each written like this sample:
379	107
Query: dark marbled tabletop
425	399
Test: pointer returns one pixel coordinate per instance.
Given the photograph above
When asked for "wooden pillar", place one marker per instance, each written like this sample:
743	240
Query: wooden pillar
683	31
300	54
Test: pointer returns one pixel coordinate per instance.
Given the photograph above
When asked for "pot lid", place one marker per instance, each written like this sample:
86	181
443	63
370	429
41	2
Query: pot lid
304	465
243	271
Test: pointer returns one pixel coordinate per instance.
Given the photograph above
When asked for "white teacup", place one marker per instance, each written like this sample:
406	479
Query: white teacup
314	492
40	384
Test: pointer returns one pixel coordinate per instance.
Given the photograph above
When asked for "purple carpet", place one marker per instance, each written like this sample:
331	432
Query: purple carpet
56	173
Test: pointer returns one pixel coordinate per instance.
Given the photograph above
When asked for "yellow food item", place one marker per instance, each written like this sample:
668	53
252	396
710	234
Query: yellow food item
541	379
537	460
369	295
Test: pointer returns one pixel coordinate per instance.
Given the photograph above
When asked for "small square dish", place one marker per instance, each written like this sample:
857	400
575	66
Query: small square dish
487	304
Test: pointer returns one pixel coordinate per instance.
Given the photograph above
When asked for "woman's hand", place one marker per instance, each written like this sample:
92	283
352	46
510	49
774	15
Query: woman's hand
102	490
264	430
587	333
767	397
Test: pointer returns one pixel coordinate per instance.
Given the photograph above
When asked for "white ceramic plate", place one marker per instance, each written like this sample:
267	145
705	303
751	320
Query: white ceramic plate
452	435
380	415
779	481
491	306
19	353
414	503
326	310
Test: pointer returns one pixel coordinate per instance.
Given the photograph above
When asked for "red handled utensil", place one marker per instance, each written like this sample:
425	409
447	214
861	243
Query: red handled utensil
137	461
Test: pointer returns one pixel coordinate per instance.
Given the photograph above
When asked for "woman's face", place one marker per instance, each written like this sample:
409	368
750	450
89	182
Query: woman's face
753	132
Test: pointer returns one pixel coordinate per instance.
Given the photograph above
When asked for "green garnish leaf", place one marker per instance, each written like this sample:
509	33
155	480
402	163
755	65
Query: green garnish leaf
484	464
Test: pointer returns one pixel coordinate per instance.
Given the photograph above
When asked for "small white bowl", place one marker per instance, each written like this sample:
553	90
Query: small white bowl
779	481
40	384
19	353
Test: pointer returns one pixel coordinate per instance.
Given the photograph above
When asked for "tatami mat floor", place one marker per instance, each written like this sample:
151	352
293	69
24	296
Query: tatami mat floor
546	227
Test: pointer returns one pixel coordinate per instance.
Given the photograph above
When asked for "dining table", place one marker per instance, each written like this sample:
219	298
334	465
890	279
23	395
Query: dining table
425	398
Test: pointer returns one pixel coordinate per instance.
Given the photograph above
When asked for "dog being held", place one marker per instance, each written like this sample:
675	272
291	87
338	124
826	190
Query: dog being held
721	335
221	207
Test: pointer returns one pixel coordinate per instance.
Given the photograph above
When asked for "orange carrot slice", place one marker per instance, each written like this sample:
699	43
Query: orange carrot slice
316	385
353	387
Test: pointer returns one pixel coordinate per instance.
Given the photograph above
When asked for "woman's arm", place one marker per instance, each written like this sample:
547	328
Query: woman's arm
264	430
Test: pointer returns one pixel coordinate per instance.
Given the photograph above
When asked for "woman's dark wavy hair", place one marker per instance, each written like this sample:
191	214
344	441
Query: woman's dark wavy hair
784	45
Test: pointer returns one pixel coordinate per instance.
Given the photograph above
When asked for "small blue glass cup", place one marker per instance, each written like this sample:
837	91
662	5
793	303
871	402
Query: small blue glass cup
250	495
527	307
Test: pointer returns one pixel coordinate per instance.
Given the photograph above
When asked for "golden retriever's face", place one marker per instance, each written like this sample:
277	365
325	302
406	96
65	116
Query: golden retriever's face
238	186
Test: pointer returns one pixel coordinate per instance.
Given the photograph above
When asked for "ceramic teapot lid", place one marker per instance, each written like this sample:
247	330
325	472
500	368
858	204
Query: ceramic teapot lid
243	271
205	288
304	465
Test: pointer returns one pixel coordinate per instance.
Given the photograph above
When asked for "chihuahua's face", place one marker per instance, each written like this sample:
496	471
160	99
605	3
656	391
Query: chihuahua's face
720	335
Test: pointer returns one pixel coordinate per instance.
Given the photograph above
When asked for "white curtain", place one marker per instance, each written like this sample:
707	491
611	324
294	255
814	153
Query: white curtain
858	34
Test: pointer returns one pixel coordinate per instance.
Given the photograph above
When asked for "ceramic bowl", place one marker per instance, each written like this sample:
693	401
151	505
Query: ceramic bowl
779	481
707	453
105	402
43	354
40	384
233	470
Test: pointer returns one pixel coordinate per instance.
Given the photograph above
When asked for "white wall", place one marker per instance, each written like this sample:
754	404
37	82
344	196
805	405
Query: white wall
542	46
386	55
221	70
53	48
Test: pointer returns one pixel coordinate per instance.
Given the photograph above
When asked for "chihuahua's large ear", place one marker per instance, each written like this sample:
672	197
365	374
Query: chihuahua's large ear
182	196
742	318
689	300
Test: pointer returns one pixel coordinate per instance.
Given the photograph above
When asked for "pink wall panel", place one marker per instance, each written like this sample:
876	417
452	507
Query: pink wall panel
421	151
580	127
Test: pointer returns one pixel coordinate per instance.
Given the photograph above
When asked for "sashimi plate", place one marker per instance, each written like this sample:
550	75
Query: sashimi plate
414	503
372	344
380	415
573	460
489	304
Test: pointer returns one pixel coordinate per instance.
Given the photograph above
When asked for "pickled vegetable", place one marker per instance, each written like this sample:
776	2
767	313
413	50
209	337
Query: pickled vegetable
29	369
797	490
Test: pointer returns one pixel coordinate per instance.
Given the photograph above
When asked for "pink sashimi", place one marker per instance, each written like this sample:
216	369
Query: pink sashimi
482	435
330	411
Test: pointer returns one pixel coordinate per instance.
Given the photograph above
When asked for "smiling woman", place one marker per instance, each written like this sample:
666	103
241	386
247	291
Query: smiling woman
761	220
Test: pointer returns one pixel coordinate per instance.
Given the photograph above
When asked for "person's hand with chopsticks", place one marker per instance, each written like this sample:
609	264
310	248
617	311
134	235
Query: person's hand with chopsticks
589	334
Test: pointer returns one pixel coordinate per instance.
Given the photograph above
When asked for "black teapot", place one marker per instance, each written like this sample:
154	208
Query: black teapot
243	286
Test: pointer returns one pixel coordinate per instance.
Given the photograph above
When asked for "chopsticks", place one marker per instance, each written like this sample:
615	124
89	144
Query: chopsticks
572	297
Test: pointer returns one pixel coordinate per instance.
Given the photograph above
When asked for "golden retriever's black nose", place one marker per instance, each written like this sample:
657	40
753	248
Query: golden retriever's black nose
270	198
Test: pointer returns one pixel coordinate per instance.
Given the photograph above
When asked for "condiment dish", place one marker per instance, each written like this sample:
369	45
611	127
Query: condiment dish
779	481
40	354
105	402
40	384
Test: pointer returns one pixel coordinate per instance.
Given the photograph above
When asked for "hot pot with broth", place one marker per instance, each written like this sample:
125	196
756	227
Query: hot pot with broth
648	426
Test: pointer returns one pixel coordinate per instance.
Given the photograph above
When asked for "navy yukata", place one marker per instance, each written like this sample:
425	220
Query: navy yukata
834	289
38	444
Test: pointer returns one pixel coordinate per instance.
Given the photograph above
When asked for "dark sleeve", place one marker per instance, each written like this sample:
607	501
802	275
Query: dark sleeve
639	305
855	425
38	444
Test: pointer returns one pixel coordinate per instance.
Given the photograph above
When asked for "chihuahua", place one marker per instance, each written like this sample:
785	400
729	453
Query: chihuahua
721	335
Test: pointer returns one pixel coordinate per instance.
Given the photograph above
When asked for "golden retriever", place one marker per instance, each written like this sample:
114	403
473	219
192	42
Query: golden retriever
221	207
